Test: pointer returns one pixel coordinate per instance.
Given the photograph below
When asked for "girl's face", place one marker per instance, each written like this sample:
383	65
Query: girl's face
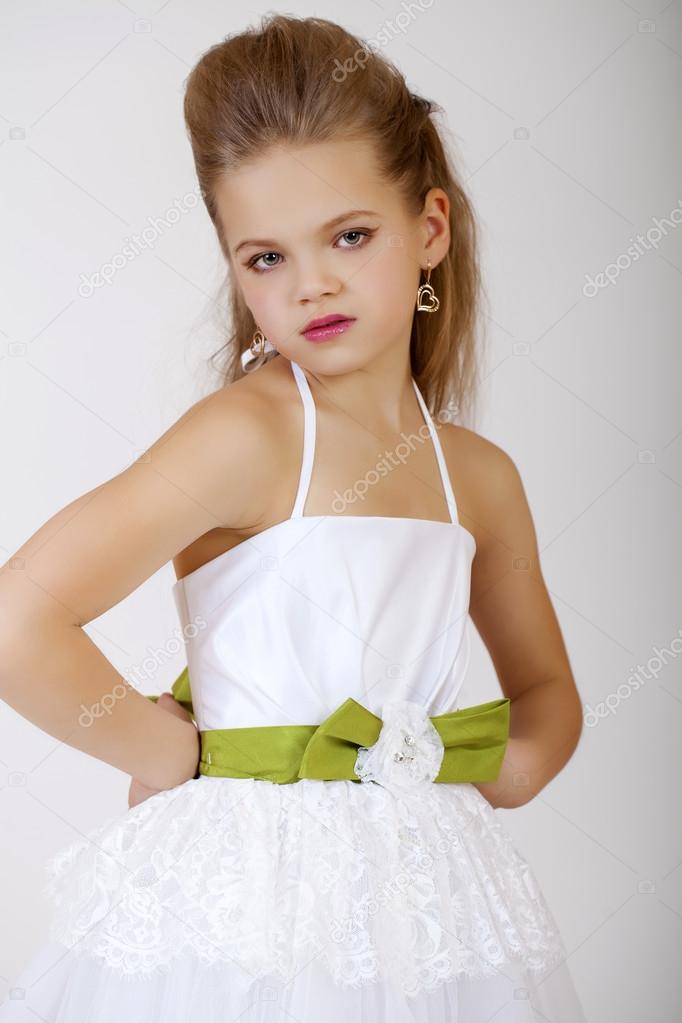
298	251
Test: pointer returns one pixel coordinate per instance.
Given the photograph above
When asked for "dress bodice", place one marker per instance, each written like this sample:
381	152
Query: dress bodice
286	625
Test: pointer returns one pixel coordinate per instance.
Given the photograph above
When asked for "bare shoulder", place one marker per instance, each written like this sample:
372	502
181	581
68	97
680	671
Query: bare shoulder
510	604
231	438
237	422
214	471
254	421
488	487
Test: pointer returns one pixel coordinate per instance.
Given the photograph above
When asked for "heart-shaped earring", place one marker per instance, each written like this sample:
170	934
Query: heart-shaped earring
258	353
427	301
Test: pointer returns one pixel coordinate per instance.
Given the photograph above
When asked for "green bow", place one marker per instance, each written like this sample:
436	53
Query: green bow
475	740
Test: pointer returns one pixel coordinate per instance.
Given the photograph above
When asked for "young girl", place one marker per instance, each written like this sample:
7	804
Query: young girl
312	830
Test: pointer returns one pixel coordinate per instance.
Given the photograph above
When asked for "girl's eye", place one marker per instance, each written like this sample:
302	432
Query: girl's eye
357	233
252	263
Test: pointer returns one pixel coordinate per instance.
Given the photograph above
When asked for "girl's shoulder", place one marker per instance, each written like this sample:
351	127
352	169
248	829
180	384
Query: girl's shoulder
247	417
253	421
487	483
270	394
214	468
472	448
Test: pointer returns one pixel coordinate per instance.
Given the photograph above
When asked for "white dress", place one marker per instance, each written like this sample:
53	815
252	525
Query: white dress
227	899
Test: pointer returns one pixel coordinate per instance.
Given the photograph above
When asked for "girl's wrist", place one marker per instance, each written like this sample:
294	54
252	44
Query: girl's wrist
185	764
197	773
195	753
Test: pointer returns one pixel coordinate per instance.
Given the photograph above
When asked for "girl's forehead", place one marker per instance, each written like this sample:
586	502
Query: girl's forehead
303	186
339	167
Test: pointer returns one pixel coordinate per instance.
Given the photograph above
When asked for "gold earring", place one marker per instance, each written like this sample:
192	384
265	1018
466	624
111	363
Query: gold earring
427	301
257	353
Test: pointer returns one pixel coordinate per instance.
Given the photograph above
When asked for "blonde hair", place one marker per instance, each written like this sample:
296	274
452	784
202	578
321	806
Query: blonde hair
301	81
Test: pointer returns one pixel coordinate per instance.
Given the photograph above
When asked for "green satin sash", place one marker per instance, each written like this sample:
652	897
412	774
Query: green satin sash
475	739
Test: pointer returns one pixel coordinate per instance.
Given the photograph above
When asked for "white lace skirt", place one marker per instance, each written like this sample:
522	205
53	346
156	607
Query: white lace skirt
234	898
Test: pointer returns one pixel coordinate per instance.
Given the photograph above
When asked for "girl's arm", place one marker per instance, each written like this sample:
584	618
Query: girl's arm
512	611
138	791
101	547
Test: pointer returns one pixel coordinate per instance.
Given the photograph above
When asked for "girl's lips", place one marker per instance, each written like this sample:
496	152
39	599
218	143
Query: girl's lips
329	330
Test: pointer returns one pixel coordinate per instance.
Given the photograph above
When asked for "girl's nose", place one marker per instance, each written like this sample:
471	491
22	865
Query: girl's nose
315	283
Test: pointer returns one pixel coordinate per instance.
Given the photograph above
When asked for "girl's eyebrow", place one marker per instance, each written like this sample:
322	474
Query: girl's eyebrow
325	227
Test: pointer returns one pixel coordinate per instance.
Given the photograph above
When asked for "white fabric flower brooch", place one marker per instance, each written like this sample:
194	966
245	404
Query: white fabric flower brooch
408	753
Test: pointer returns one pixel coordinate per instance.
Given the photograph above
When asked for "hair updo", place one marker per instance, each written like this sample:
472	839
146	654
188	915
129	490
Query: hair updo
302	81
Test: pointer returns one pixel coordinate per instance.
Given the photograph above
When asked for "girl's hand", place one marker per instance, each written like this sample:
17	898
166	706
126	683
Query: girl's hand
138	791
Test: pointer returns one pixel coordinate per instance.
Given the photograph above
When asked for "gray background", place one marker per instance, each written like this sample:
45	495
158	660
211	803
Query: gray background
564	120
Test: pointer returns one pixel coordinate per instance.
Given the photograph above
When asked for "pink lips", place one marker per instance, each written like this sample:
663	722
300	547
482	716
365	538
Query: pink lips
327	327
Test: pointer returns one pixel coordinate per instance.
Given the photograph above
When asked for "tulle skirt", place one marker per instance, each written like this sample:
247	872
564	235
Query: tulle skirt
225	899
57	988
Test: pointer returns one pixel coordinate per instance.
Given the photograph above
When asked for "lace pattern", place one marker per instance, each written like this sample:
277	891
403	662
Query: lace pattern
417	888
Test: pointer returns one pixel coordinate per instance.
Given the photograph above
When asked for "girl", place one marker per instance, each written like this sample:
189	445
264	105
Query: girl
312	829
